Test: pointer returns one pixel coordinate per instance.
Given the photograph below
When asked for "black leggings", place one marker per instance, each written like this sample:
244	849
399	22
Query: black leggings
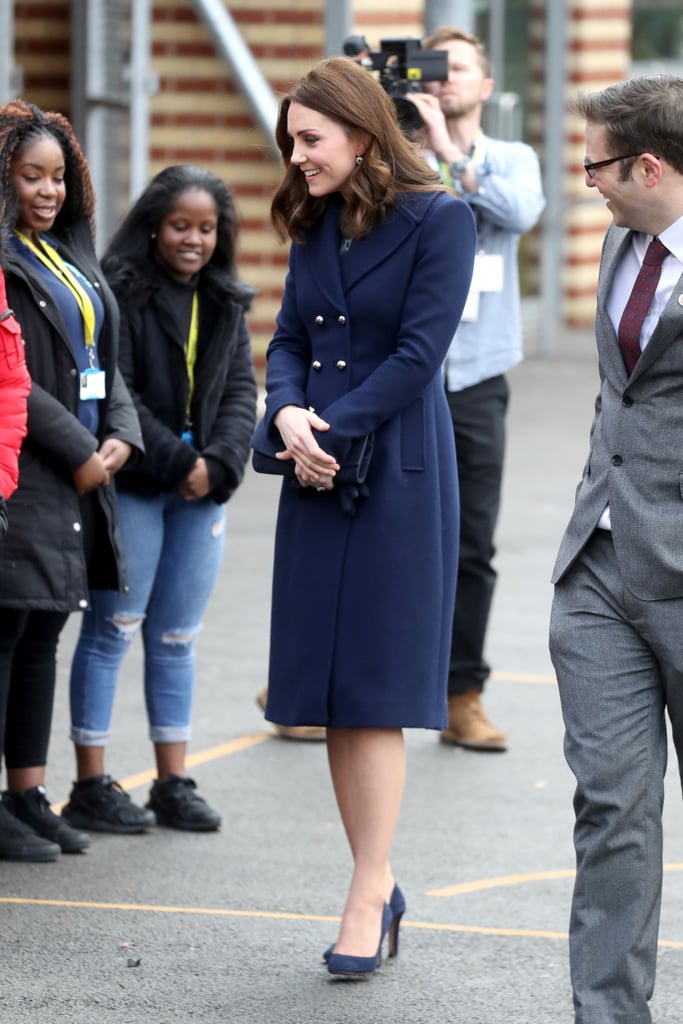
28	670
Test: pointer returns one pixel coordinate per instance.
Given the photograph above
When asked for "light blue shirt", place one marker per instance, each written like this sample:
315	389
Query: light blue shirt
507	203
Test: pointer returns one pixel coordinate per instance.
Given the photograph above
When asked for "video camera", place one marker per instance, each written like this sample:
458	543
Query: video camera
402	65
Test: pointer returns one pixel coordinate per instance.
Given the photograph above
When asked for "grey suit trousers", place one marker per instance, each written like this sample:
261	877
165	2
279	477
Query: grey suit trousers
619	664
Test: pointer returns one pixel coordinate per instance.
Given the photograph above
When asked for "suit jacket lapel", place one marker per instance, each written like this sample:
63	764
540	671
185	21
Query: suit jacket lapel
617	242
321	247
668	326
382	243
667	330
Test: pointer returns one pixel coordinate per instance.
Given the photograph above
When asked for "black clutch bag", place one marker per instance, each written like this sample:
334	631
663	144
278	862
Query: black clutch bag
264	449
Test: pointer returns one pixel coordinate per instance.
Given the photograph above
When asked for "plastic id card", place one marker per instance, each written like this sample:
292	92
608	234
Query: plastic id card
93	384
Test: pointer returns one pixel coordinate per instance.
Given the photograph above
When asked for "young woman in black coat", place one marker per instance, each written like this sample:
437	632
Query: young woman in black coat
186	357
82	428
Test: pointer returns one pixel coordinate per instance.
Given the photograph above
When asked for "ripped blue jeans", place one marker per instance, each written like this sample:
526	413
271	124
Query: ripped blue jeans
173	551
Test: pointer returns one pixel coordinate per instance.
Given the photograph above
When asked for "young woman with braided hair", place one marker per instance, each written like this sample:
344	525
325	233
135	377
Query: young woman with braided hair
82	428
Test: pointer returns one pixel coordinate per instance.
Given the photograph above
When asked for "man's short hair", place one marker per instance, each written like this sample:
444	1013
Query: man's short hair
449	33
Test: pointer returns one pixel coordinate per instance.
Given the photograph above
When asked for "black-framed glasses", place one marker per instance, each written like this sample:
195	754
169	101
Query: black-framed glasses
590	169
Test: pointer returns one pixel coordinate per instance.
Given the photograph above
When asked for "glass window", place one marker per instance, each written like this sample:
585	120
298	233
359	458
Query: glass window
657	31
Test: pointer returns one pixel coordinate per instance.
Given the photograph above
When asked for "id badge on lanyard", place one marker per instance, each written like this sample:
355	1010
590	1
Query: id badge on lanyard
93	384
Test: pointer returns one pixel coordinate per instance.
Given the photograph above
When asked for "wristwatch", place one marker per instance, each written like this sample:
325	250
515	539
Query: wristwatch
458	167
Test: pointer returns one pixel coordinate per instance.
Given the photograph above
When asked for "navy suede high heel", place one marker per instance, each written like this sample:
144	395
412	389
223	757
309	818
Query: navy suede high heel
397	905
355	966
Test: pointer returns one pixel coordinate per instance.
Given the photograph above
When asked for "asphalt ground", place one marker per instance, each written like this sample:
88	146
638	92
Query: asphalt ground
229	927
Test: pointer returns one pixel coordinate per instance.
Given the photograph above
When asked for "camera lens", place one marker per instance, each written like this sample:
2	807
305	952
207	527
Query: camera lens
408	116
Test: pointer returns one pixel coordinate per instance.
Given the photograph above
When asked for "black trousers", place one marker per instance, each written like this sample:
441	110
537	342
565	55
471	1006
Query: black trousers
28	668
478	415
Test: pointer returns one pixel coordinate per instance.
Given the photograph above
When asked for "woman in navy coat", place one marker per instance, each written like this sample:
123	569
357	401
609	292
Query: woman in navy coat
366	540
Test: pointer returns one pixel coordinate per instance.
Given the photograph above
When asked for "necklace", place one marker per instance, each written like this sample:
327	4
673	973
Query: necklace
345	246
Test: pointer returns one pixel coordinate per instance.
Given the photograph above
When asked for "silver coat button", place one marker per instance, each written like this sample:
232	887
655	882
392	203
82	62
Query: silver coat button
77	527
82	603
320	319
42	303
341	319
341	365
317	365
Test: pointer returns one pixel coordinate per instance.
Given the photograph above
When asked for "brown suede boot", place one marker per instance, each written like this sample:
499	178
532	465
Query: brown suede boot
469	727
293	732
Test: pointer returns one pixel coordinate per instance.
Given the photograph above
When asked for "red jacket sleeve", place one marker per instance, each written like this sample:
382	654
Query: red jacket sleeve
15	385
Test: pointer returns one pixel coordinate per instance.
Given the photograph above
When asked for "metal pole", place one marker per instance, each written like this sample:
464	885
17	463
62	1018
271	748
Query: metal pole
338	19
449	12
496	42
10	75
553	147
140	87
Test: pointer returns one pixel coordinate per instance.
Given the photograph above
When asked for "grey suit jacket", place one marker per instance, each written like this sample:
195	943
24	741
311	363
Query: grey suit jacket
635	462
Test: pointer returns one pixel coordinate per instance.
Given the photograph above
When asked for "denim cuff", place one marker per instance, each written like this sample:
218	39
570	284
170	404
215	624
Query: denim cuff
89	737
169	733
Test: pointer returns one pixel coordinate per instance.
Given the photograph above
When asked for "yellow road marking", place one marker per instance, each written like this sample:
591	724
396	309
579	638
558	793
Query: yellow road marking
146	908
201	757
523	677
244	743
268	916
495	883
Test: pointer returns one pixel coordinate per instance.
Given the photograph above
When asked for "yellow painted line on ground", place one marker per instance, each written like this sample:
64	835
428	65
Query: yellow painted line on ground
201	757
494	883
147	908
268	915
523	677
153	908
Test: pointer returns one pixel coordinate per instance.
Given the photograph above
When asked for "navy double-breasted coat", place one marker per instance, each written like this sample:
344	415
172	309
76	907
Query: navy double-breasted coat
362	604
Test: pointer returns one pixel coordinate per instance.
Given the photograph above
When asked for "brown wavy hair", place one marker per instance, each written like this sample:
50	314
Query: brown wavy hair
22	124
343	91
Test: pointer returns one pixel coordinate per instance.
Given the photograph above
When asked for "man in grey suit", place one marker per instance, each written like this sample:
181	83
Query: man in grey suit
616	635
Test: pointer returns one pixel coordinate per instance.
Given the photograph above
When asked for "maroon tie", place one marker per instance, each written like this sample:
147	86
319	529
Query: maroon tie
639	302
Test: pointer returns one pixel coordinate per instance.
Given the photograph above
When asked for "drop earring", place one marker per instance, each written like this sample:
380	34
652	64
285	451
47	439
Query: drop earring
153	234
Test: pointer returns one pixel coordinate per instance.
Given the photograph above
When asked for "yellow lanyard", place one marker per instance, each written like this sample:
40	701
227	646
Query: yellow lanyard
191	347
54	262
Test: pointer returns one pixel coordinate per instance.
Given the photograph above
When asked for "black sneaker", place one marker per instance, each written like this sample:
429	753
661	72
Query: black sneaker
176	805
33	808
19	842
100	805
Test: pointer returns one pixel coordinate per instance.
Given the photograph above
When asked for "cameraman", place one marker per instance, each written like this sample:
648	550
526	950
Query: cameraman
501	181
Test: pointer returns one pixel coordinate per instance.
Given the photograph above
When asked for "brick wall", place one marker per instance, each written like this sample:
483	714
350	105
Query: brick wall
599	54
43	49
199	116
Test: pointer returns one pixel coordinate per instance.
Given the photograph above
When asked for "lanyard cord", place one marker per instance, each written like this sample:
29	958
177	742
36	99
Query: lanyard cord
191	348
50	258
